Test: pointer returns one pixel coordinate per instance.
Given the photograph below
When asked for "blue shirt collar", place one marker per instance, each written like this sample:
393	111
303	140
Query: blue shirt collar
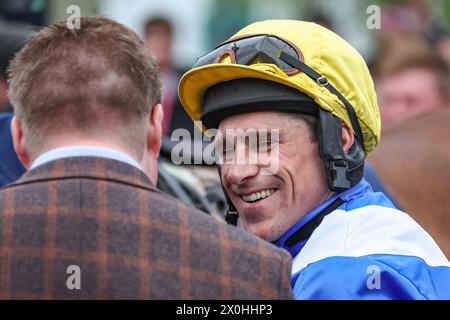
358	190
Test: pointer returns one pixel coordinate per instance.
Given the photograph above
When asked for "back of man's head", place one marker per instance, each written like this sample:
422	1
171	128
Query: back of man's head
96	82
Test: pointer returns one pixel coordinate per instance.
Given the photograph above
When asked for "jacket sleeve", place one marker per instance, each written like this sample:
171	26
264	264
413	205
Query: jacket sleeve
372	277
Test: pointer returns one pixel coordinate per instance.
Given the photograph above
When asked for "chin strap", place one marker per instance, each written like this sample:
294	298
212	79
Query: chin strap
295	242
232	215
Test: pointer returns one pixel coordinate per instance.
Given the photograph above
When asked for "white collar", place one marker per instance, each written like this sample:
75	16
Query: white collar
84	151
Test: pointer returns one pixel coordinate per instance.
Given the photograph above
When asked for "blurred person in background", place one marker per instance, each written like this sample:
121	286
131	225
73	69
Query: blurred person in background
12	38
159	34
408	25
10	167
411	79
411	75
88	127
197	189
403	17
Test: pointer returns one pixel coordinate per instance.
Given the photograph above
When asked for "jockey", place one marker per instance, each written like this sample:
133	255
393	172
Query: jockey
313	92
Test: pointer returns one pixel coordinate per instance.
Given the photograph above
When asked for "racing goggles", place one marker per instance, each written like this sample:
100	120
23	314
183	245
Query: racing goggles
252	50
273	50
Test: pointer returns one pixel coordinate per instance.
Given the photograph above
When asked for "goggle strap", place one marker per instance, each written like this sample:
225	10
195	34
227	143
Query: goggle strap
322	81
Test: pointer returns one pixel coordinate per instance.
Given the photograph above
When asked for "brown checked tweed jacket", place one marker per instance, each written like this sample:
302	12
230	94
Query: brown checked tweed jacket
94	228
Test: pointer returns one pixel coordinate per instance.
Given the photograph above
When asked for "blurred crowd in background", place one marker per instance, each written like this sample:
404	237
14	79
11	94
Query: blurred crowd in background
410	50
409	58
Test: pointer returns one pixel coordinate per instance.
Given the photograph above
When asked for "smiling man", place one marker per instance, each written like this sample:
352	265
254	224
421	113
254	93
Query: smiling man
269	203
312	89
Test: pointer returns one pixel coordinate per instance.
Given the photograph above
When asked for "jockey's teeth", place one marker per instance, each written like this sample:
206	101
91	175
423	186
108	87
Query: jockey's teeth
257	195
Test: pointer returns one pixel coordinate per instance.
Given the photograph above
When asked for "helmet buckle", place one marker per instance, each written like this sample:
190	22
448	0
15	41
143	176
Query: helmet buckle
322	81
340	169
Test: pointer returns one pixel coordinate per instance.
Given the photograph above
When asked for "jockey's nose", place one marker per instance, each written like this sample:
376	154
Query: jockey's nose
243	165
237	174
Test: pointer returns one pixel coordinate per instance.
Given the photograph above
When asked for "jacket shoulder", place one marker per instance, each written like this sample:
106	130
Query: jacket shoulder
257	267
241	265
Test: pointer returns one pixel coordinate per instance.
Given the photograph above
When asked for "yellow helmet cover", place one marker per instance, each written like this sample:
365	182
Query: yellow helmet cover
323	51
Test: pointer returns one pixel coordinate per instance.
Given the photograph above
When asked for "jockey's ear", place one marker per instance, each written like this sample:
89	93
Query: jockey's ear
348	137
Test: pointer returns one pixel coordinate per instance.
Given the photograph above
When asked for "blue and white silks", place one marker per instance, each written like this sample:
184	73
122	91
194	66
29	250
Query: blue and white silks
366	249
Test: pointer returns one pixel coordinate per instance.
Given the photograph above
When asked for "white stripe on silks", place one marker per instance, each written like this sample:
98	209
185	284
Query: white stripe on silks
366	231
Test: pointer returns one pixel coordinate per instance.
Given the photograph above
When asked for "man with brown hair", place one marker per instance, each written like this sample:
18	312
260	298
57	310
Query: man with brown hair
86	221
412	80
